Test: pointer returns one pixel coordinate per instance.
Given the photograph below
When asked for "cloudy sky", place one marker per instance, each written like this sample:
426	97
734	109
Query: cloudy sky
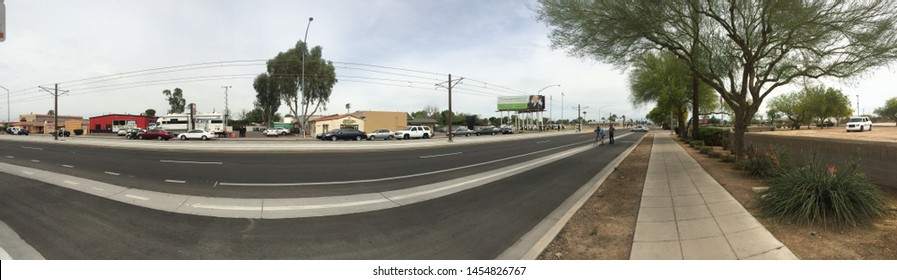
117	56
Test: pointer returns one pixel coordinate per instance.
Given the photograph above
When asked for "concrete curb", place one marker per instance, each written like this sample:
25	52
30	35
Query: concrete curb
13	247
531	245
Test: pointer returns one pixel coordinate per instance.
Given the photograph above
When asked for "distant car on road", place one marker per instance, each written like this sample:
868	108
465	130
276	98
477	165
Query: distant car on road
384	134
158	134
462	131
640	128
486	130
859	124
196	134
344	134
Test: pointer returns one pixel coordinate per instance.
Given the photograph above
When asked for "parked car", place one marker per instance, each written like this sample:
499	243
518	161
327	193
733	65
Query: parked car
132	133
159	134
344	134
63	132
462	131
384	134
486	130
506	130
196	134
859	124
414	131
639	128
280	130
272	132
16	131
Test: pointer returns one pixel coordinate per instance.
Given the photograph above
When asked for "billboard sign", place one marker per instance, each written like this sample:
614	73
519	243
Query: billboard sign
524	103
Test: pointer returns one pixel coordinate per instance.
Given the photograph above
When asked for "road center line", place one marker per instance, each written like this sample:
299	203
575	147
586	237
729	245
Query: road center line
10	157
543	142
136	197
34	160
111	173
190	162
71	182
441	155
175	181
67	166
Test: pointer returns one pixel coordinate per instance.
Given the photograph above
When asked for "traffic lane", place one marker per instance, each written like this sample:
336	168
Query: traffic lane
479	223
203	179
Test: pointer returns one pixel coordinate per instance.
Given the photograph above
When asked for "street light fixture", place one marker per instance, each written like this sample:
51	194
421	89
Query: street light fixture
549	108
599	109
304	41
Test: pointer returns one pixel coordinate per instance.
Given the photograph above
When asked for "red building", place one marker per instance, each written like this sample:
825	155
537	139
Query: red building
114	122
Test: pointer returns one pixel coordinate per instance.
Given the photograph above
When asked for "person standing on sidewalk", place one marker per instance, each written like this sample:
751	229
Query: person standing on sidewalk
610	133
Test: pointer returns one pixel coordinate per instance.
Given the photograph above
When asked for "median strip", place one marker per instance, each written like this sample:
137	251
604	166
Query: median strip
190	162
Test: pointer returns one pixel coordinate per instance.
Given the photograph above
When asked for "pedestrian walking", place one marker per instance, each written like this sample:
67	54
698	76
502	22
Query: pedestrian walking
599	135
610	133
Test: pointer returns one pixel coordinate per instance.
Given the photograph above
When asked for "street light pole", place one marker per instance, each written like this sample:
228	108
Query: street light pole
562	106
858	105
542	124
304	41
8	105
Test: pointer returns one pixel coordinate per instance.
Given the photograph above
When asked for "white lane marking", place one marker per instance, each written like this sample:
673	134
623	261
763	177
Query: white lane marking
33	148
71	182
68	166
99	189
190	162
10	157
175	181
543	142
397	177
111	173
34	160
442	155
28	172
227	207
136	197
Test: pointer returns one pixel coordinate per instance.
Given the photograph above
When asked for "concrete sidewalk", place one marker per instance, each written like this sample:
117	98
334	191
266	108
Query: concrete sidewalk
686	214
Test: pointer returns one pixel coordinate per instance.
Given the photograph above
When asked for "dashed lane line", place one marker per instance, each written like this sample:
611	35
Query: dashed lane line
191	162
175	181
441	155
67	166
111	173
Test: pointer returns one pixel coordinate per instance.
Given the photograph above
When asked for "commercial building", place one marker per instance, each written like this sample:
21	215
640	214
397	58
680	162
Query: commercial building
43	123
367	121
113	122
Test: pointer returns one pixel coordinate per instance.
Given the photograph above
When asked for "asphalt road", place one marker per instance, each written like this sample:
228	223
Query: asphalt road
478	223
331	173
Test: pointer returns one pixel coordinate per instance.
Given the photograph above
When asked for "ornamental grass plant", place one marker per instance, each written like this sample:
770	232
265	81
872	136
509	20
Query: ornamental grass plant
818	193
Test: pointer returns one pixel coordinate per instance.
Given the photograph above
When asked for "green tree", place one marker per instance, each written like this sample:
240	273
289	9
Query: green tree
175	100
319	79
889	111
793	106
742	49
664	80
823	103
266	99
150	112
51	112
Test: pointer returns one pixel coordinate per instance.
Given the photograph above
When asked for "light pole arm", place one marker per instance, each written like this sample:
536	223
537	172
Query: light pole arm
546	87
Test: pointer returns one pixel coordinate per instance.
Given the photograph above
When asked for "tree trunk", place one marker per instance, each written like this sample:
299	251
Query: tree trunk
695	122
741	124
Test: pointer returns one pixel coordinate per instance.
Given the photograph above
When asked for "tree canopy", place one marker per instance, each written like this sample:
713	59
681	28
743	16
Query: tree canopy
175	100
319	79
266	99
889	111
742	49
663	79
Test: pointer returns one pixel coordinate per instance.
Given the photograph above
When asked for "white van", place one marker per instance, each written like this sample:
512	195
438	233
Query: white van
859	124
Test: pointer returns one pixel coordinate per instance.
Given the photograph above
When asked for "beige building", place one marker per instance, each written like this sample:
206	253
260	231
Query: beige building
43	123
367	121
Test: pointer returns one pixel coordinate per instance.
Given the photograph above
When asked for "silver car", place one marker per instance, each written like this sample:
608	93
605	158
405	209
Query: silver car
384	134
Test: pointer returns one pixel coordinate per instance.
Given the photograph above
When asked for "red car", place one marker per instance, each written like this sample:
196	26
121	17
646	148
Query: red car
159	134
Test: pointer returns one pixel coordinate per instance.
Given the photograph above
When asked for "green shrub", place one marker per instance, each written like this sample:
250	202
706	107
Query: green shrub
78	131
696	144
760	164
712	136
714	154
706	149
728	158
818	193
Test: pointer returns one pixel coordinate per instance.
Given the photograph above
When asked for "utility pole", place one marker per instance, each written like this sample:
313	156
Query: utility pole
304	41
449	85
226	110
8	105
55	94
858	105
562	106
579	116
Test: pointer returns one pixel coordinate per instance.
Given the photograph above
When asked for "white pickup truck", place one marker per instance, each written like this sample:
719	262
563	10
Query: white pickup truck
414	131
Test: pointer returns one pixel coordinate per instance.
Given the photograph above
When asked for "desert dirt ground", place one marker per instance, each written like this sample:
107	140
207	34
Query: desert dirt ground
603	228
879	132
